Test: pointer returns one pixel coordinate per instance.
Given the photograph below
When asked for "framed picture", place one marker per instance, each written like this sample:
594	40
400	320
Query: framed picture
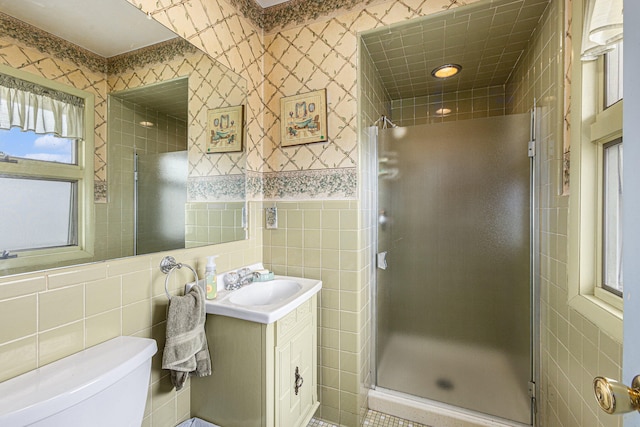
225	129
303	118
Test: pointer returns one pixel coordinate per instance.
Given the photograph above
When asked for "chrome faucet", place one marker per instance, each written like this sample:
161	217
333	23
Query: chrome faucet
236	279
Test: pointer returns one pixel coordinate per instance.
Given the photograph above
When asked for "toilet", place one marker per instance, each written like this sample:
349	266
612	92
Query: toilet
102	386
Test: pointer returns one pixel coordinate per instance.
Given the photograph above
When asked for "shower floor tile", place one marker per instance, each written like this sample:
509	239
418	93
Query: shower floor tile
373	419
378	419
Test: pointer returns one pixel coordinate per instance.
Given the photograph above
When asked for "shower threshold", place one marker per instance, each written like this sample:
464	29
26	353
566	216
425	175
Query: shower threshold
430	412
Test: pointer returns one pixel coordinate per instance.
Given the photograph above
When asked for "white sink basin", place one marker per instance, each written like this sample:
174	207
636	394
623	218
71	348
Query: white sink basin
264	302
265	293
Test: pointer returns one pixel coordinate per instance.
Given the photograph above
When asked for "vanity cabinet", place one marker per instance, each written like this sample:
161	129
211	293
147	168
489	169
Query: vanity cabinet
264	375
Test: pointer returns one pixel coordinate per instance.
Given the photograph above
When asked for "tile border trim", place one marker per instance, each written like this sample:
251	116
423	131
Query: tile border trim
220	188
319	184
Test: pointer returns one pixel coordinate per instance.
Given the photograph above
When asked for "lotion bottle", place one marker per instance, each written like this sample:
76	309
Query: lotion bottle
210	282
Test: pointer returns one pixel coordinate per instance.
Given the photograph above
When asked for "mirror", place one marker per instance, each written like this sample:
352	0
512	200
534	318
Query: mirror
150	124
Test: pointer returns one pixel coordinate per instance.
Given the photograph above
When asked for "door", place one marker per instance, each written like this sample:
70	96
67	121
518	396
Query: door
453	305
161	195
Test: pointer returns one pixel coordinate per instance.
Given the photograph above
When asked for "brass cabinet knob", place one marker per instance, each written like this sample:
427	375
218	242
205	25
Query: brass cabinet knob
615	397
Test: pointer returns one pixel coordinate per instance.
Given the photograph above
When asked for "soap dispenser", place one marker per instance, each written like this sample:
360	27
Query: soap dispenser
210	282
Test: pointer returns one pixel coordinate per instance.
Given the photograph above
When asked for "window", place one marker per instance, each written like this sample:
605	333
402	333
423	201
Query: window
18	143
594	266
46	170
613	64
611	220
25	224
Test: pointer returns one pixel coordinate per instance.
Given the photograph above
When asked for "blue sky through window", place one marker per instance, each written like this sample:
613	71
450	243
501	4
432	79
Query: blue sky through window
29	145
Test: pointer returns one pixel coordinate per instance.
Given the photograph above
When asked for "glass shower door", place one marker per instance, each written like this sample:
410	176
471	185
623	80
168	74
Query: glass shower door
453	305
161	195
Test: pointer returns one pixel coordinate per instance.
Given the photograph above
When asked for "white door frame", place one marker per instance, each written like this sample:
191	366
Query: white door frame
631	205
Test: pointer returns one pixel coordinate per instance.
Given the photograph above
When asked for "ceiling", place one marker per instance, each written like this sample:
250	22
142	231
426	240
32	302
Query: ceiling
486	38
170	98
107	28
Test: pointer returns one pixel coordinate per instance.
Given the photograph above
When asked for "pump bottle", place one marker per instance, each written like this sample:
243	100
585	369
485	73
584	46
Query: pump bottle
210	282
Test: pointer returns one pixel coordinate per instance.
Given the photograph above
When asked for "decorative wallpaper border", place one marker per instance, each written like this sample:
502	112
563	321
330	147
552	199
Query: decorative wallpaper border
100	191
250	10
55	46
300	11
155	54
254	185
297	11
216	188
52	45
334	184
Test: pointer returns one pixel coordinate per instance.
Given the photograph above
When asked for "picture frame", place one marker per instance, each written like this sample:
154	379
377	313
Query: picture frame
303	118
225	129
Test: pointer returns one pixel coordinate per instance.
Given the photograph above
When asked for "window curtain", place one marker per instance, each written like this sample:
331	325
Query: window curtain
36	108
602	27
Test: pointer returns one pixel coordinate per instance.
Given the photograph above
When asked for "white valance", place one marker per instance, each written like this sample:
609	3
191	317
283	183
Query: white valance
39	109
602	27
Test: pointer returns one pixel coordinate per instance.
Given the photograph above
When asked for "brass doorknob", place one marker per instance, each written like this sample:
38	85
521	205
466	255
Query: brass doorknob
615	397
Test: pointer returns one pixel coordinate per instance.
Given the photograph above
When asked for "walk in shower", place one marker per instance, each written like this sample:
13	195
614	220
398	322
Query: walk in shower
454	301
453	284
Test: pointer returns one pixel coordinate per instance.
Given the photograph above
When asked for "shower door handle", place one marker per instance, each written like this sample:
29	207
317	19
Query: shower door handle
382	260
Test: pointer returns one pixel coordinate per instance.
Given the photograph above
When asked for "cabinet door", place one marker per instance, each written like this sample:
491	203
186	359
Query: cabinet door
295	355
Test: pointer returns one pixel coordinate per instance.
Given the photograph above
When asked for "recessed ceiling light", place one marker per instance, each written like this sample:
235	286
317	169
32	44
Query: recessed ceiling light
146	124
442	112
445	71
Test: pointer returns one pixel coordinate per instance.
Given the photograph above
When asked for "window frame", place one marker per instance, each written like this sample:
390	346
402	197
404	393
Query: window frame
593	126
603	137
602	290
605	94
82	172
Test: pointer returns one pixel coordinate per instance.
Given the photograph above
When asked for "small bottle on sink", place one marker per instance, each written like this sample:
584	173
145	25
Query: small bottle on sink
210	281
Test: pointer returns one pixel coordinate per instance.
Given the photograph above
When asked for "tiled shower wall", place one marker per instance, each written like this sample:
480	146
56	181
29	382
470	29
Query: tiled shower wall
464	105
573	349
373	100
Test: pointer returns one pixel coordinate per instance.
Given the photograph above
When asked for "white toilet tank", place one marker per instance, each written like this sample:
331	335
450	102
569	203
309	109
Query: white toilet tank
102	386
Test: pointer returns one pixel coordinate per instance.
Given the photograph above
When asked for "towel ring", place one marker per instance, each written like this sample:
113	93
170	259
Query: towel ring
167	265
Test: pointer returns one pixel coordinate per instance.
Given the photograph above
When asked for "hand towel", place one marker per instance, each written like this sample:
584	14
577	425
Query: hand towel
186	351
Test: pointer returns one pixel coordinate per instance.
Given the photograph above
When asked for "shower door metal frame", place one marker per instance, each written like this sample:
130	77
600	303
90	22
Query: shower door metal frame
534	260
373	178
534	271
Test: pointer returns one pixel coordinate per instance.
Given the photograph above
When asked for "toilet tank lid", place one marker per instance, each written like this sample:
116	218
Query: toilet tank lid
66	382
